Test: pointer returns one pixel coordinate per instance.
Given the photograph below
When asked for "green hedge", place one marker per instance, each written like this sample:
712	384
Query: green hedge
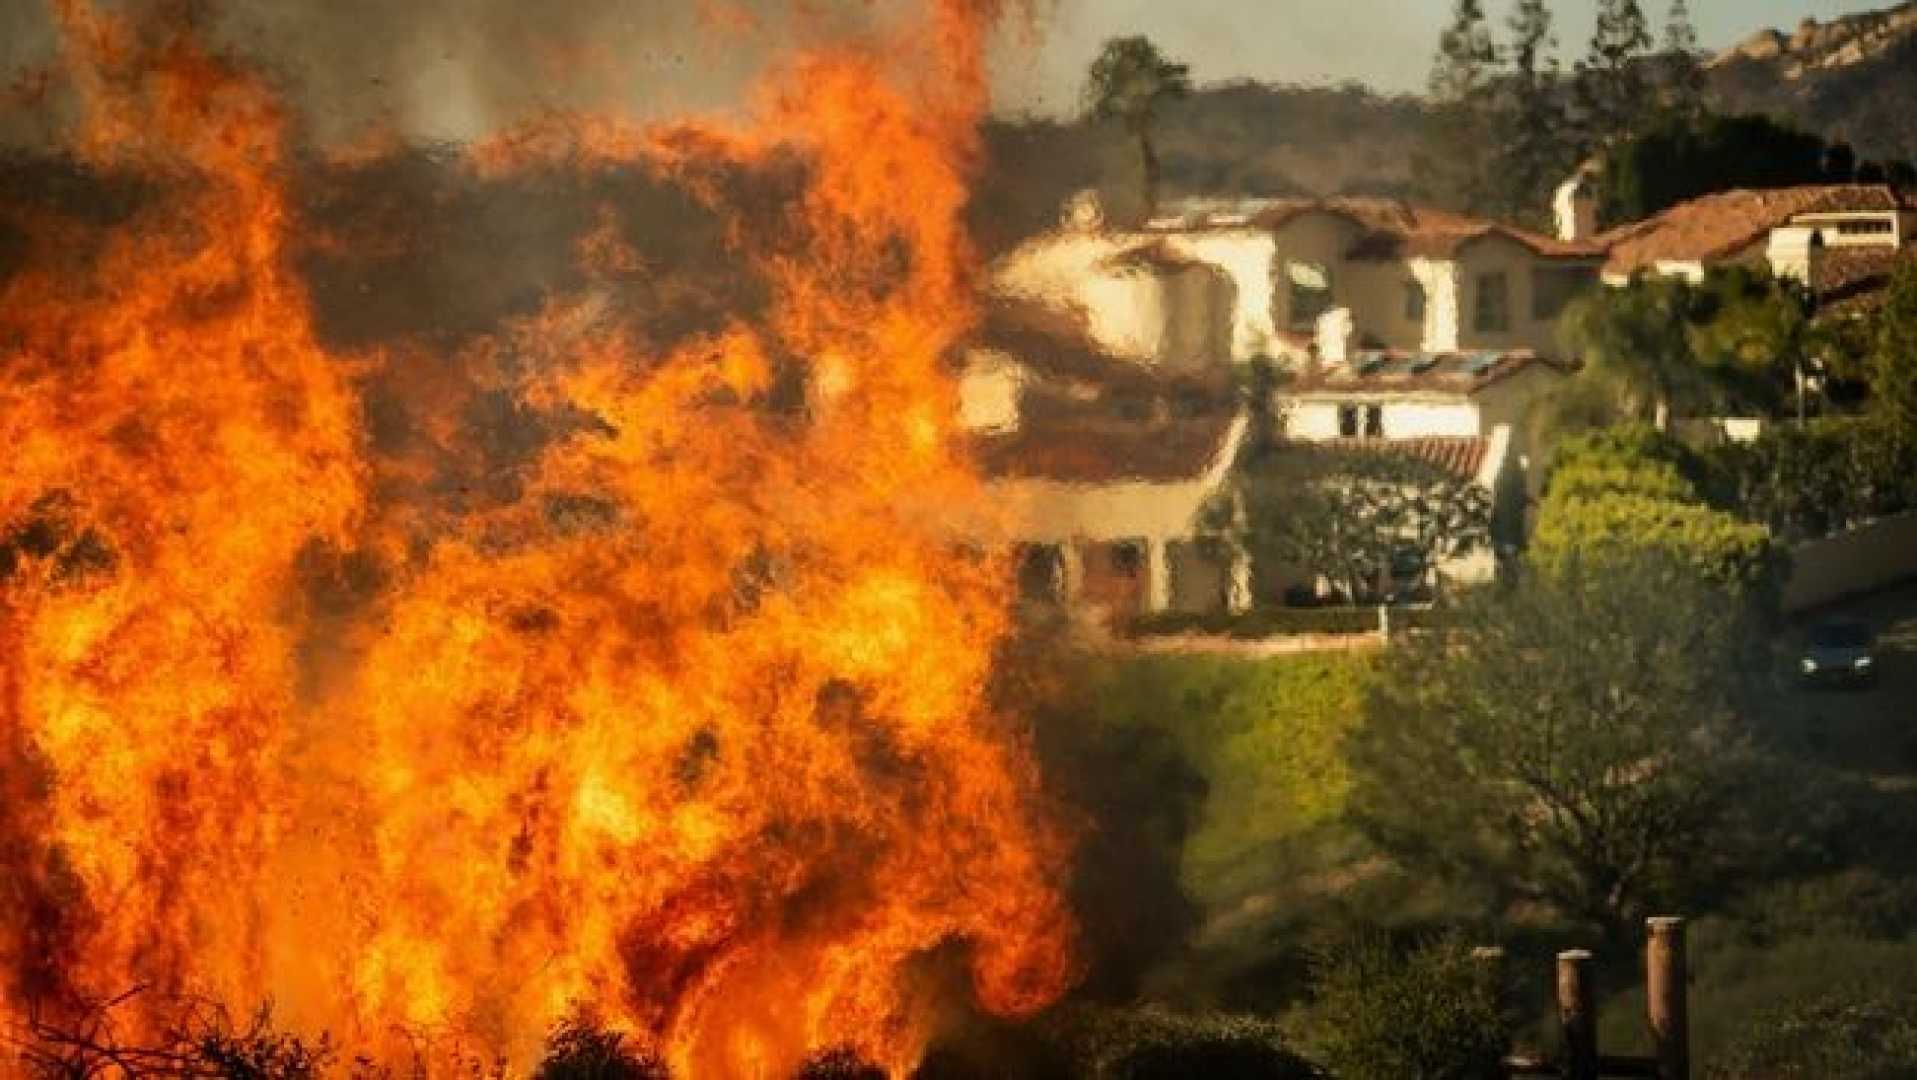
1277	622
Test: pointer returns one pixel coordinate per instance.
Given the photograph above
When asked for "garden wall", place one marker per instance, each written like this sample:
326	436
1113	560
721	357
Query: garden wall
1862	560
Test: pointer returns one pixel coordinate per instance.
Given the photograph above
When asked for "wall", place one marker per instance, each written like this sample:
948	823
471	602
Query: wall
1858	561
1314	419
1495	254
1052	512
989	392
1313	237
1246	256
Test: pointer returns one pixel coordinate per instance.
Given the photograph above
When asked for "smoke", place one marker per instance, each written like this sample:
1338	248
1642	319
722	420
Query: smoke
428	70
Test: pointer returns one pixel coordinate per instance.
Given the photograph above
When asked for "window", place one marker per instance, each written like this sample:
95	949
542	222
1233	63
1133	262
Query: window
1347	421
1310	286
1494	303
1877	227
1128	558
1553	287
1414	302
1374	421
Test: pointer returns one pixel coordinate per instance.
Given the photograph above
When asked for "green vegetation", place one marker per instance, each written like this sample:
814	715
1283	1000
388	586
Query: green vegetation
1681	157
1433	1013
1350	515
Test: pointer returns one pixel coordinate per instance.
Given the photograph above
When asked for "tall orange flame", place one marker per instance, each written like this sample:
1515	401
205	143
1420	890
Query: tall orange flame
691	733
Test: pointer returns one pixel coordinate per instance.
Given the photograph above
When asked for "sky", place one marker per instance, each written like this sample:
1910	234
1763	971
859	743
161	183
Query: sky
1386	44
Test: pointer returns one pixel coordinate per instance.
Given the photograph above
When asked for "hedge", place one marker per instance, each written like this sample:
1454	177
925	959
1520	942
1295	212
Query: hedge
1278	622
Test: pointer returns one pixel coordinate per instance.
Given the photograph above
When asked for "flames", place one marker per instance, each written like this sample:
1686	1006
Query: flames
686	729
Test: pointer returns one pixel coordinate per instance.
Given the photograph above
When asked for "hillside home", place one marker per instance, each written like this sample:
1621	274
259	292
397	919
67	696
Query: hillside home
1100	469
1842	240
1252	279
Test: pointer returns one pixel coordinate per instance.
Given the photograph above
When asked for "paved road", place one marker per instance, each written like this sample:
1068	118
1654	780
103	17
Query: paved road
1873	731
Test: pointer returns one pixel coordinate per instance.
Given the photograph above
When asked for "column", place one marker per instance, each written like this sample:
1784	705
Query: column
1157	577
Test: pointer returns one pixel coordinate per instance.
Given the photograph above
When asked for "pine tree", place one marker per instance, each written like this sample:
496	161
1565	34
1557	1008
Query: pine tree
1682	76
1614	97
1537	151
1460	86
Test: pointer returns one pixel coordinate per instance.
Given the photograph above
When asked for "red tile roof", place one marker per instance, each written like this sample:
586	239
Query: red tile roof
1053	341
1460	457
1721	225
1385	372
1393	229
1098	450
1851	280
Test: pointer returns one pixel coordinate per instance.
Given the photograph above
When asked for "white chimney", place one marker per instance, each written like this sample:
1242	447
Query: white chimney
1336	329
1795	252
1576	208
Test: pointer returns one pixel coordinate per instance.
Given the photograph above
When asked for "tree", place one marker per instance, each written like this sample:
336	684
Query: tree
1891	365
1128	82
1612	93
1682	78
1348	514
1536	151
1635	342
1574	741
1680	157
1614	495
1461	96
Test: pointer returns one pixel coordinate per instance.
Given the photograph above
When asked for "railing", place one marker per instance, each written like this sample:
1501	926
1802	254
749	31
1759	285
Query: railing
1666	1010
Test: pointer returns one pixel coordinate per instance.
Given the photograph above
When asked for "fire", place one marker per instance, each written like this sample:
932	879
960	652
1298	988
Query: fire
691	732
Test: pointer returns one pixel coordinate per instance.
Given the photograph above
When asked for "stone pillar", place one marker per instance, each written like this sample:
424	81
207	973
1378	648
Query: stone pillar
1157	577
1666	1006
1577	1015
1238	585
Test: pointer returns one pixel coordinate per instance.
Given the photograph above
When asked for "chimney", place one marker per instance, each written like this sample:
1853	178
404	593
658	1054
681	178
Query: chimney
1576	208
1335	332
1796	252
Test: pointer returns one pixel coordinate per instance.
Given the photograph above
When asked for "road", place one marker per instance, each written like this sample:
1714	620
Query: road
1872	731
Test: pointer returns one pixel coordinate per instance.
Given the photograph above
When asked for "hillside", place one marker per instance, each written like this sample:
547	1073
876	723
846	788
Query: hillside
1852	79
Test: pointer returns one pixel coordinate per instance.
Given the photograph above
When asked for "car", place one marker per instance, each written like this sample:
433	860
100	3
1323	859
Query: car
1839	651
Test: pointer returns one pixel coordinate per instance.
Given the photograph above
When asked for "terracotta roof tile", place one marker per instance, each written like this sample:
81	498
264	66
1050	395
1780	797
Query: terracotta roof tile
1390	228
1721	225
1098	450
1054	341
1460	457
1851	280
1396	371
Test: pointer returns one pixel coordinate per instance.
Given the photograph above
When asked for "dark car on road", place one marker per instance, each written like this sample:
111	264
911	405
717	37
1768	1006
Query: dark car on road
1839	652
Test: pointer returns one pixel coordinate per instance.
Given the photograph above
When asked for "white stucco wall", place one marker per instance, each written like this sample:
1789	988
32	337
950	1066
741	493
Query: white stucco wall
1245	255
1052	512
989	391
1315	419
1314	237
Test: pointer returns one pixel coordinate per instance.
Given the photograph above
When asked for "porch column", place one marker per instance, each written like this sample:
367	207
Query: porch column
1157	577
1071	572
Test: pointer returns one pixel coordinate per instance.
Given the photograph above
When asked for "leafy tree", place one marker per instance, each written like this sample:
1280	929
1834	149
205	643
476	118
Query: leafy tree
1346	514
1864	1032
1128	82
1823	477
1611	497
1434	1014
1461	94
1613	94
1635	342
1891	367
1574	741
1681	157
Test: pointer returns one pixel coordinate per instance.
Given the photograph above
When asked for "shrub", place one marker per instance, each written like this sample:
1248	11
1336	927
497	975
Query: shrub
1434	1014
1858	1033
1156	1044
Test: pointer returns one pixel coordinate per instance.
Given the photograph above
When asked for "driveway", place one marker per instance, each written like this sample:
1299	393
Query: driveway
1872	731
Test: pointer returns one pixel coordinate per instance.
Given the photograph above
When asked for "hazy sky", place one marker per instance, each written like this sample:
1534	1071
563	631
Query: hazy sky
1386	43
